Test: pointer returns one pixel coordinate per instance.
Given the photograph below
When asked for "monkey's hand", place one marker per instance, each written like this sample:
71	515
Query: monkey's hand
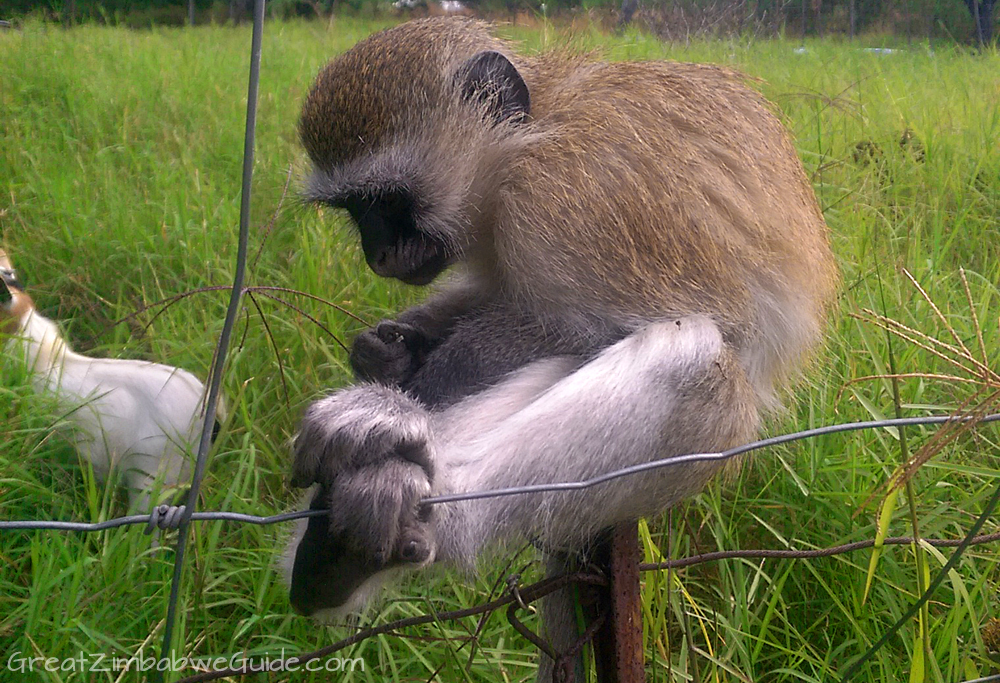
389	353
376	510
371	526
367	447
359	427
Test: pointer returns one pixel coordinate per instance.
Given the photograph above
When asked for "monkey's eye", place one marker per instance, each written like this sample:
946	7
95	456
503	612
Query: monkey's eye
394	206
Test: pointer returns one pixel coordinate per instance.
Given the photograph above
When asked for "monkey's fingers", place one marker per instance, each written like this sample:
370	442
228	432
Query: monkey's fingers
360	427
319	445
310	447
395	332
378	506
382	356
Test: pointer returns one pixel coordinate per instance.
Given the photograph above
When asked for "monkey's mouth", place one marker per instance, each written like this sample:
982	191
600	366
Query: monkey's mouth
415	261
426	273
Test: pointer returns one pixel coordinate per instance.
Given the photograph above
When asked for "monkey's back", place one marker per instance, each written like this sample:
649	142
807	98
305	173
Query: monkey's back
630	192
685	193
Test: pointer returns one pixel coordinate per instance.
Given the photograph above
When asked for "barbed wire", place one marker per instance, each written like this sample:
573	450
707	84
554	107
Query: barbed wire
165	516
161	517
172	517
526	594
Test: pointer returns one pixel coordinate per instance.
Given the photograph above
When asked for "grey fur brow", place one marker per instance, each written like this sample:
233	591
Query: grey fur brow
391	169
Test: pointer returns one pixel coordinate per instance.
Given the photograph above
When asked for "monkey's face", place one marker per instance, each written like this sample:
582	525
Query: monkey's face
394	244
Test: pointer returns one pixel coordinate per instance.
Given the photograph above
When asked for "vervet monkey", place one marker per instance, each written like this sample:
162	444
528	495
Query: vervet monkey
139	418
639	265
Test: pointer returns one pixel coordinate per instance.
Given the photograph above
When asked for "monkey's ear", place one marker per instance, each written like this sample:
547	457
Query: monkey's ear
490	78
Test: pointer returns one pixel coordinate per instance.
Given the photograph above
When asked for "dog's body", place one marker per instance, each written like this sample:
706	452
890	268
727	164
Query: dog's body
137	418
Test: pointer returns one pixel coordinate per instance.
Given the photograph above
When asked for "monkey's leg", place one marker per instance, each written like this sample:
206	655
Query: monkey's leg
369	450
670	389
559	616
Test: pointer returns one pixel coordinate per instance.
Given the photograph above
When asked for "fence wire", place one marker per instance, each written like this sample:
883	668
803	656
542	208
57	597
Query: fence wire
184	518
180	517
166	517
161	516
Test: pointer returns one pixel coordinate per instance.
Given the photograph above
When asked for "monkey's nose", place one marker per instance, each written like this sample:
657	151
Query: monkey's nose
383	262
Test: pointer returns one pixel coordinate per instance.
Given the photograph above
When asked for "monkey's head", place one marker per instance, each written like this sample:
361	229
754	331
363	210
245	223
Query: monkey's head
407	132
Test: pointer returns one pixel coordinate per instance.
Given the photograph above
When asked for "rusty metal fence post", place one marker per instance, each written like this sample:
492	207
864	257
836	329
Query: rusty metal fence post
618	653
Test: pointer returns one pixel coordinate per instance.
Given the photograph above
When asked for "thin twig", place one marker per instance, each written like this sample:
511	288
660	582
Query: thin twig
270	224
975	317
274	345
303	313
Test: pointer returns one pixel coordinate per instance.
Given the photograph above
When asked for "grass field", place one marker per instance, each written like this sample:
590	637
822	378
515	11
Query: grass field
120	156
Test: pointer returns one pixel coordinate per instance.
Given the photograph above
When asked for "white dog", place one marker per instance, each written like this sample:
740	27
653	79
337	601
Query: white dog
140	419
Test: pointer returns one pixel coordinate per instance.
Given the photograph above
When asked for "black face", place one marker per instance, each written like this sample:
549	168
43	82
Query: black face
328	567
393	244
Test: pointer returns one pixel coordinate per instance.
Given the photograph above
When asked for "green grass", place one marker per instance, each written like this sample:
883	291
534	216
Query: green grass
120	156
